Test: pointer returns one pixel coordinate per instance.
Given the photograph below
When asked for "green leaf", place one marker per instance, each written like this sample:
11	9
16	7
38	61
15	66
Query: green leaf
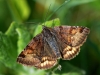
23	38
15	39
55	22
7	51
12	34
11	30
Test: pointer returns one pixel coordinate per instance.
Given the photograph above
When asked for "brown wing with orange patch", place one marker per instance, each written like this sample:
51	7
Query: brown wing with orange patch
71	37
35	55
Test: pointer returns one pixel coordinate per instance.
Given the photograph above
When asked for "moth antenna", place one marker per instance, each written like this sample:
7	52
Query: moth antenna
53	12
58	8
46	15
30	23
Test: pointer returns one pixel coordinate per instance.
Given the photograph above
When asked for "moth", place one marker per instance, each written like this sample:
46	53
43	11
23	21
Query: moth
60	42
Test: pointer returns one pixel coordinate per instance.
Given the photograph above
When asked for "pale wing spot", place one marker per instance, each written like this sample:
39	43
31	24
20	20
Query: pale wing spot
47	64
44	58
73	51
70	52
51	62
41	64
65	56
68	47
44	63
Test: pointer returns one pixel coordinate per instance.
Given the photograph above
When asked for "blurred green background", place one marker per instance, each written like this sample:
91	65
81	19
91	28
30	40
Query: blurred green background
20	21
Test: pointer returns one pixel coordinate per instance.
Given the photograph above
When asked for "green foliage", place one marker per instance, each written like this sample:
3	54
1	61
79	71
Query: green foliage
7	51
15	34
52	23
